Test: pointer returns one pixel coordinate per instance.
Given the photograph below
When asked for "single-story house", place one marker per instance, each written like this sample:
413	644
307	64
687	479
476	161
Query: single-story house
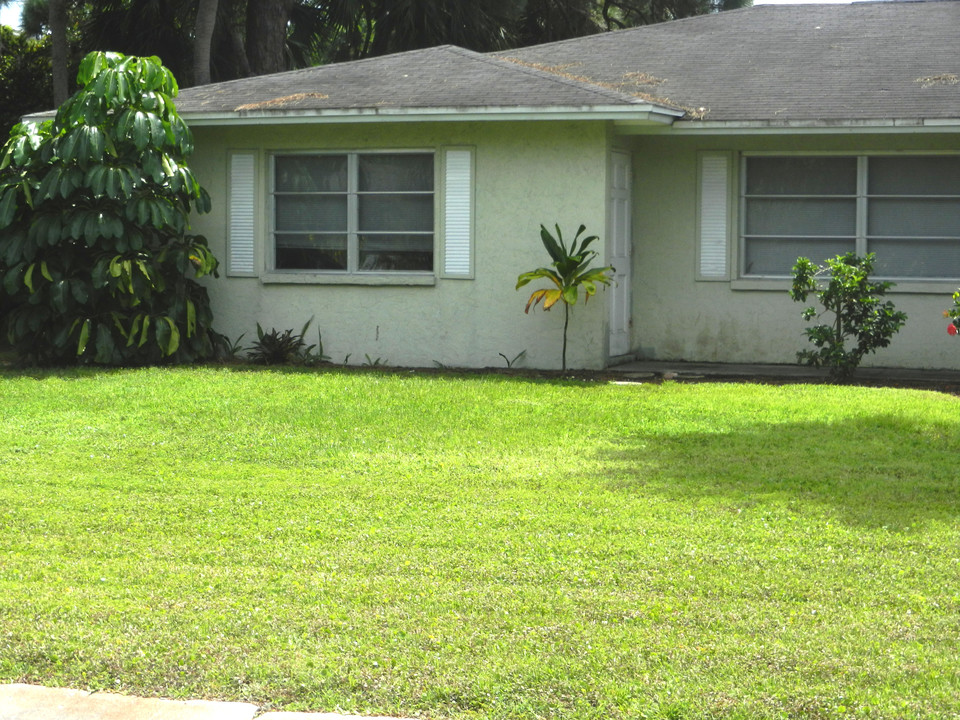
395	200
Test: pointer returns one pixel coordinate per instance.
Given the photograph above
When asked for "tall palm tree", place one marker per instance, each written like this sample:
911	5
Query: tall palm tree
267	22
203	40
58	50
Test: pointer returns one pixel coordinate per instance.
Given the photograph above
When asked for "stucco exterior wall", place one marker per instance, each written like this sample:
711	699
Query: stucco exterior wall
525	174
677	317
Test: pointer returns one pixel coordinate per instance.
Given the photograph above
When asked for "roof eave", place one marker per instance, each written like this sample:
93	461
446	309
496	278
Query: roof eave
793	127
634	114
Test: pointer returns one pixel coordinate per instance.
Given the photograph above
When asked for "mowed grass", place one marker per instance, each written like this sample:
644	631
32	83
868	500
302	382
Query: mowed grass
480	546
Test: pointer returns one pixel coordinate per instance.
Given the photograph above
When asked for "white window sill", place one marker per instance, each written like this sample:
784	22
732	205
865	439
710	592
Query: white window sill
916	287
330	278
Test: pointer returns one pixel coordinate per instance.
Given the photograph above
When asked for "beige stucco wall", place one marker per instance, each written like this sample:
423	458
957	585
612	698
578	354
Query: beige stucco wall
677	317
525	174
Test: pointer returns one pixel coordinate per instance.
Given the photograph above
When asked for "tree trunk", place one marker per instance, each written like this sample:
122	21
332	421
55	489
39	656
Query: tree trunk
203	38
566	321
58	54
267	34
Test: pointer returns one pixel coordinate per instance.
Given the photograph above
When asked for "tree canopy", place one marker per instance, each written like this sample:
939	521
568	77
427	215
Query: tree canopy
24	77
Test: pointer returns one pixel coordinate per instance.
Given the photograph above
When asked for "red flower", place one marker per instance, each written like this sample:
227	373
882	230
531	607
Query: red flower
952	329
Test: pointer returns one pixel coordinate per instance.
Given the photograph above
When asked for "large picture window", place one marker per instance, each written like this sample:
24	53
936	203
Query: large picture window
906	209
354	212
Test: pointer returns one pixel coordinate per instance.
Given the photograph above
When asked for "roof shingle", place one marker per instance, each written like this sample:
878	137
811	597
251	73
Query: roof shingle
769	63
440	77
871	60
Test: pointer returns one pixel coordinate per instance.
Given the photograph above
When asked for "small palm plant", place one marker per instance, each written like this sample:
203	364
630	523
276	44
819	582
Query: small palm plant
569	272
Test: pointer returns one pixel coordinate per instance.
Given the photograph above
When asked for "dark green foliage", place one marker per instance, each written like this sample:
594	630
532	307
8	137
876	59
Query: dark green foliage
141	27
348	29
24	77
861	323
95	260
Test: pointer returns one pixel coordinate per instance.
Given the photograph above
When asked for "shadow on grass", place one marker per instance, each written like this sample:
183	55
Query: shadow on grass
875	471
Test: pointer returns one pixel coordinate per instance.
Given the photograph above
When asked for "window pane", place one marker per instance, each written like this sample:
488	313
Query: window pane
914	175
396	252
314	213
396	172
801	176
396	213
916	217
801	217
777	256
916	258
311	252
311	173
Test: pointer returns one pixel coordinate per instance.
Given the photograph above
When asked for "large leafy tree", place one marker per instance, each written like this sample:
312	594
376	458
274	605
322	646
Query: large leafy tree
96	261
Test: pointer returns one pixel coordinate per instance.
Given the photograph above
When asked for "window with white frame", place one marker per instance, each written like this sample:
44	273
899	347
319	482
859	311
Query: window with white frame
353	212
906	209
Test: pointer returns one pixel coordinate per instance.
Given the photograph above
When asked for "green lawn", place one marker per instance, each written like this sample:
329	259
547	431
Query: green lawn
482	547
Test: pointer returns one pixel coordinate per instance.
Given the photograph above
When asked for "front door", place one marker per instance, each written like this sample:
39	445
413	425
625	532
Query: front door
618	229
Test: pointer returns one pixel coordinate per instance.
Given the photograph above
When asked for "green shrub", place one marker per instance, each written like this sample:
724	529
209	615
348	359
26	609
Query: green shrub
859	323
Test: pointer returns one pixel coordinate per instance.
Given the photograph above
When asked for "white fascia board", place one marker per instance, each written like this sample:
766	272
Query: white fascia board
645	113
811	127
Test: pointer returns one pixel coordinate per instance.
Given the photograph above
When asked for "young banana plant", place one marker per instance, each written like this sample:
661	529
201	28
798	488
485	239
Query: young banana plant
569	272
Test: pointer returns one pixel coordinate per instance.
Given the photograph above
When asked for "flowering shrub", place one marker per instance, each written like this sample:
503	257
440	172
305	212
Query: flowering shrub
954	315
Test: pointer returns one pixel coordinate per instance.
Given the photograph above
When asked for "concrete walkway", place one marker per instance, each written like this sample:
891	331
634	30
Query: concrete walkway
640	369
33	702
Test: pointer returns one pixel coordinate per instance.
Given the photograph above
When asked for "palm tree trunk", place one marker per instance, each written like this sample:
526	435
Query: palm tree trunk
267	34
566	320
58	55
203	37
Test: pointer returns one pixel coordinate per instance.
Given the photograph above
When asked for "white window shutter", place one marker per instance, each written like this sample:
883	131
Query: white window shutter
458	213
241	219
714	219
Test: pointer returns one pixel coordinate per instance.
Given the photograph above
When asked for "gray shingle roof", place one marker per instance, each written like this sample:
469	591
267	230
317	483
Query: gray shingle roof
875	60
440	77
770	63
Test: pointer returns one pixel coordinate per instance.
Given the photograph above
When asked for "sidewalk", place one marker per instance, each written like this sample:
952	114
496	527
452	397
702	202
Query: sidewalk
680	370
33	702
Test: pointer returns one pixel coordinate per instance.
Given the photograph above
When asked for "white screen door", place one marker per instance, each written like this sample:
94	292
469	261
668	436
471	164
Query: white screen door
618	229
